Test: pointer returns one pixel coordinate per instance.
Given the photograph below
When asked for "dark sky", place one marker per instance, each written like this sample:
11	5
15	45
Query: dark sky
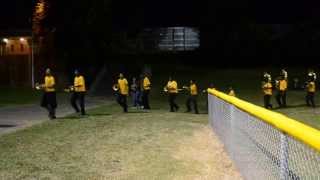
16	13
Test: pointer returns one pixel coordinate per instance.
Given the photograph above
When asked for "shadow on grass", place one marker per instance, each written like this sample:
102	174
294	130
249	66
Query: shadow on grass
82	117
7	125
100	114
138	112
291	106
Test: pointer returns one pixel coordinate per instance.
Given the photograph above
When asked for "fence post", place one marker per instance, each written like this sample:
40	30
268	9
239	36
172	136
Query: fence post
284	156
232	130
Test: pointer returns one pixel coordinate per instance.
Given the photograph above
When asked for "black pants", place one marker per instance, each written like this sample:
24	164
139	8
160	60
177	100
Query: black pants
282	98
122	100
267	103
173	105
49	101
192	100
78	97
145	99
310	99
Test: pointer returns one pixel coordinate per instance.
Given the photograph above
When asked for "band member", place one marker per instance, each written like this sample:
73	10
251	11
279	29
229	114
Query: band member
192	99
172	89
281	96
311	89
79	91
145	92
135	92
123	90
267	90
49	100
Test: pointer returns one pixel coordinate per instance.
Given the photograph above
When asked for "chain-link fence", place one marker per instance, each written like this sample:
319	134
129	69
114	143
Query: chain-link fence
259	149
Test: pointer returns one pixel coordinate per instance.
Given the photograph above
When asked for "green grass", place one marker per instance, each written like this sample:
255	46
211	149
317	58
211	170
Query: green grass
18	96
139	145
108	144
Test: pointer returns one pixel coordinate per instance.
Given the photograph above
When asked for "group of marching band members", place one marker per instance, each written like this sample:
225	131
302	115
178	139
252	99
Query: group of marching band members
140	90
49	99
281	86
122	91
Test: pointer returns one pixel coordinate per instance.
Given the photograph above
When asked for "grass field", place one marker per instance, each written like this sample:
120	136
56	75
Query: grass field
139	145
111	145
18	96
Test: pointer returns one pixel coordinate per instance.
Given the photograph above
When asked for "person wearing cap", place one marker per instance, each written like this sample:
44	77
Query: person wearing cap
79	91
49	99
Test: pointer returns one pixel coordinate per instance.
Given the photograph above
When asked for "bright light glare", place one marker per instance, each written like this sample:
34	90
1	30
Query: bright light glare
5	40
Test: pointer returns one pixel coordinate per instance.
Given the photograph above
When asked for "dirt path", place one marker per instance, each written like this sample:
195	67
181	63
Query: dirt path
18	117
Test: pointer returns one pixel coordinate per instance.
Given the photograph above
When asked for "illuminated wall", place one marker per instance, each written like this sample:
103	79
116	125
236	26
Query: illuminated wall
172	39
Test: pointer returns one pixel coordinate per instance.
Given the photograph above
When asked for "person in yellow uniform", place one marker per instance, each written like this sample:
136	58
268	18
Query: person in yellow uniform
172	89
123	92
79	91
282	86
192	99
267	90
311	89
49	99
146	87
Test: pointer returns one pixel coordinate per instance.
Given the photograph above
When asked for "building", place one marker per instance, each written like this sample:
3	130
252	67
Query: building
16	58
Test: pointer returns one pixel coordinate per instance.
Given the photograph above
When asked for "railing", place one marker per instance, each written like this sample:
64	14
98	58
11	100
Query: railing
262	143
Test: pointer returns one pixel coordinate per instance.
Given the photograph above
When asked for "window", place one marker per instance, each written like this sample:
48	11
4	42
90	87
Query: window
21	47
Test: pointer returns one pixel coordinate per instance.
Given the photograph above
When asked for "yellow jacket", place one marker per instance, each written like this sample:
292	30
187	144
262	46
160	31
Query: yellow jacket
267	88
146	84
172	87
79	84
283	85
49	84
311	87
193	90
123	86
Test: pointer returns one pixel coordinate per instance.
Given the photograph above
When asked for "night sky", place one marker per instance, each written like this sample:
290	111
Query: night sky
296	21
16	13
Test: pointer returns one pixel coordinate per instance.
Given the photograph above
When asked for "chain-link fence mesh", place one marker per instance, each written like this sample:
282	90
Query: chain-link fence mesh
259	150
